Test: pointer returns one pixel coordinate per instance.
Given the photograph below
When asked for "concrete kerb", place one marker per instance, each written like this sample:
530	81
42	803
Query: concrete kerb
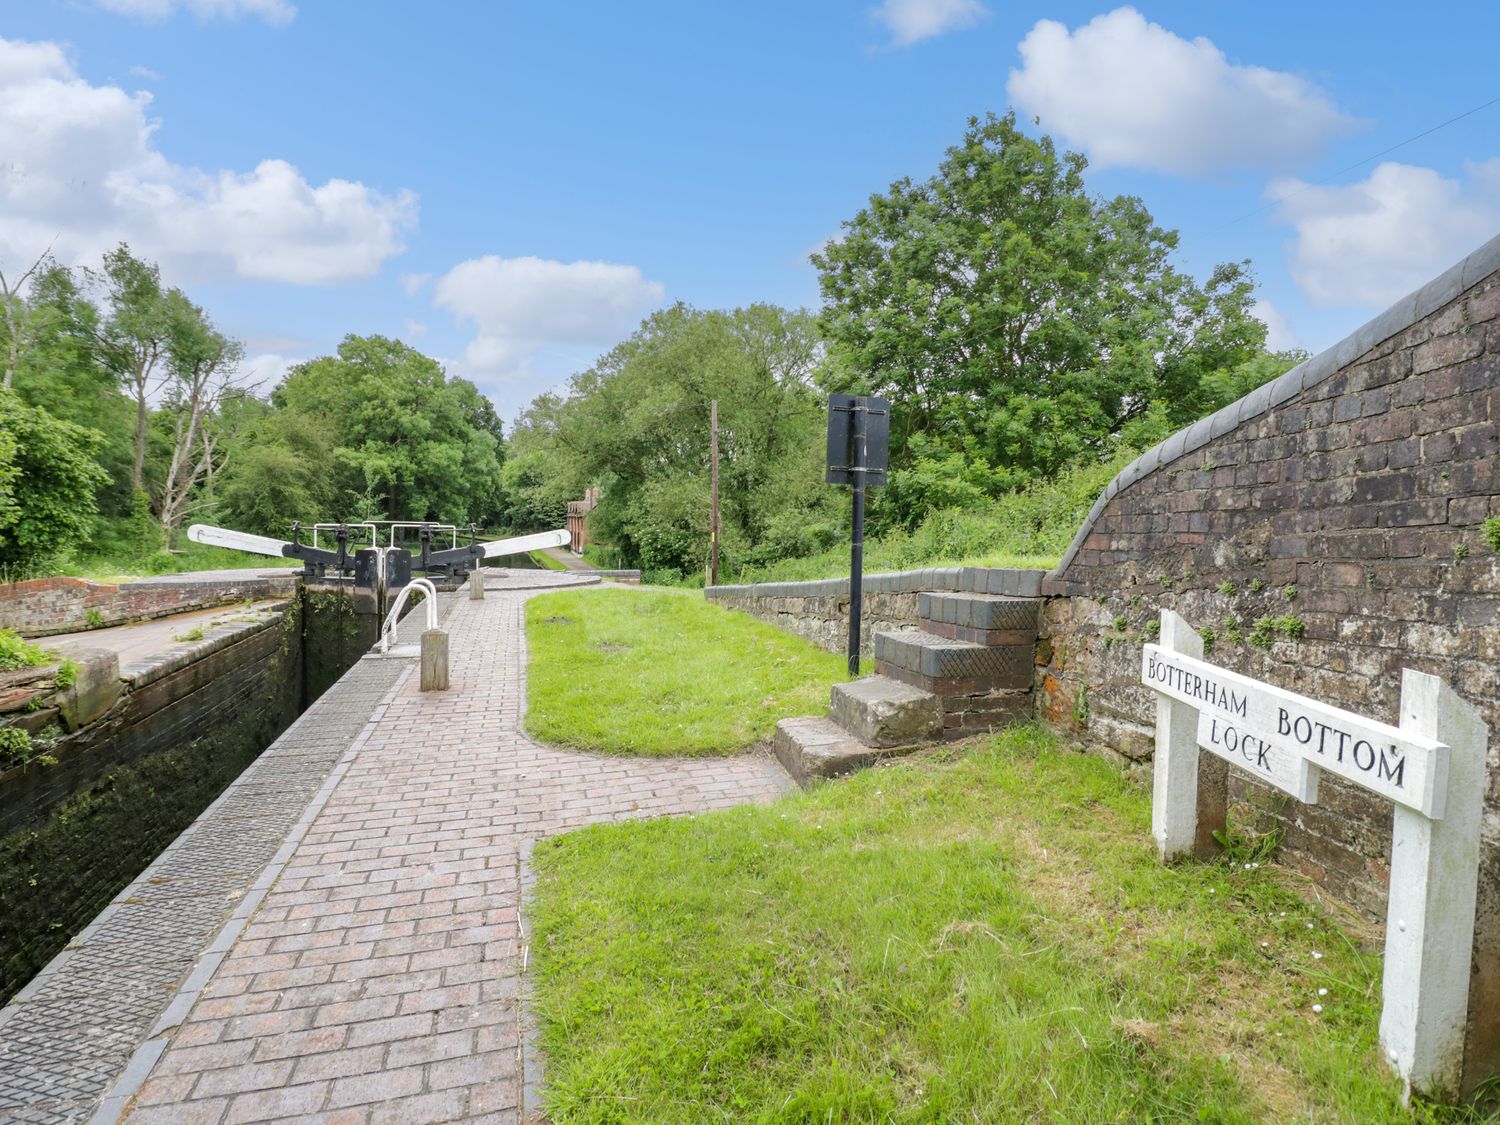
117	1098
1438	292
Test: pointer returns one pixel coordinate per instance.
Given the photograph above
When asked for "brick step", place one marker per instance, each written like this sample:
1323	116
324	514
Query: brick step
814	749
945	666
882	712
978	712
983	619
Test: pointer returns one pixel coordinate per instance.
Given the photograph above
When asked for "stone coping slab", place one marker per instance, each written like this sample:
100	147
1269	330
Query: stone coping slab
965	579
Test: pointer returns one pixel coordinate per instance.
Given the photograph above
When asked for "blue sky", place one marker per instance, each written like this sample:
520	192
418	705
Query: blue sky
510	187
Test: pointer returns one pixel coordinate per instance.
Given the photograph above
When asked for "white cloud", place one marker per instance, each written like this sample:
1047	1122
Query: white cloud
415	329
521	305
145	73
1371	243
264	371
1129	92
1279	334
277	13
80	166
413	282
911	21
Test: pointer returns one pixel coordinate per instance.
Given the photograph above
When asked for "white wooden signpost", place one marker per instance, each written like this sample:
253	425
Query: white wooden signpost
1431	767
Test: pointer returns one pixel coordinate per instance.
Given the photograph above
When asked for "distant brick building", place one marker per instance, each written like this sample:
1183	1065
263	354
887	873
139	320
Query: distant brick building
578	510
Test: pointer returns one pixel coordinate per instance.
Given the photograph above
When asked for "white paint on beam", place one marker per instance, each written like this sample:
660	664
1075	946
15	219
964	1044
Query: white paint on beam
1174	770
1392	761
523	543
1429	932
238	540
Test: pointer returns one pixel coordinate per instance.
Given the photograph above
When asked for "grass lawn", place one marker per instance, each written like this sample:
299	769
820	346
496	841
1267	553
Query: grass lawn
664	672
546	561
982	935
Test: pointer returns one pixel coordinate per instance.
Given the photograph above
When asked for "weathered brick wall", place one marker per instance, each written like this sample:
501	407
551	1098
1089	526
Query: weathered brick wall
1349	496
45	606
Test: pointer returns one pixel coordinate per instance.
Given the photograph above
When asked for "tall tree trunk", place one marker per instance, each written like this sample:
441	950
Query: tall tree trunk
138	473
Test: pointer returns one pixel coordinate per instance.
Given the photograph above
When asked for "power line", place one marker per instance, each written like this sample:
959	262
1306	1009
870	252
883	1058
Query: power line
1360	163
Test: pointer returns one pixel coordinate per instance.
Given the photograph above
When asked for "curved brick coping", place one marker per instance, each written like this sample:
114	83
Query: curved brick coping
1442	289
63	604
966	579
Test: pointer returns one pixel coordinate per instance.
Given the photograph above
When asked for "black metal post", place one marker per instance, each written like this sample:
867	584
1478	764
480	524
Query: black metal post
856	573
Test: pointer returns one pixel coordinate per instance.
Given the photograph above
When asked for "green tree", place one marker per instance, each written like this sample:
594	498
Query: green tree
637	423
1016	322
426	446
135	337
61	372
48	480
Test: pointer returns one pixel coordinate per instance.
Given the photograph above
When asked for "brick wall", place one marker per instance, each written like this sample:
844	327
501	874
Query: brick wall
1349	495
45	606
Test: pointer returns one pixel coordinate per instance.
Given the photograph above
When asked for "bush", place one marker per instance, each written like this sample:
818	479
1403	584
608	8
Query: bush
48	482
16	653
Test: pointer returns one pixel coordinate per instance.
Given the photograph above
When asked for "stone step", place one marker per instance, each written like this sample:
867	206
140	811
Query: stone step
883	712
945	666
984	619
814	749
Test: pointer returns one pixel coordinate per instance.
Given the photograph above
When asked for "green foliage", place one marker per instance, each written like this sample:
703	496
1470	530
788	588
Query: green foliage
1019	324
1209	637
1151	630
1460	553
1227	588
15	747
1166	581
17	653
1029	527
1121	623
48	481
67	674
637	424
653	672
1289	592
1490	529
94	619
193	634
929	942
1267	629
1256	586
380	421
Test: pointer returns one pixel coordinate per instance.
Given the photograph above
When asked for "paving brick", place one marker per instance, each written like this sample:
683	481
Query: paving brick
390	951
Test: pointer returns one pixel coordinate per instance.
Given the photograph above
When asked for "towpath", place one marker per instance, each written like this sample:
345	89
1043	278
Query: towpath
379	977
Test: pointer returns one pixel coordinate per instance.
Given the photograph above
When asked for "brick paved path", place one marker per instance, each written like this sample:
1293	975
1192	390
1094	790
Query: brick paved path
379	979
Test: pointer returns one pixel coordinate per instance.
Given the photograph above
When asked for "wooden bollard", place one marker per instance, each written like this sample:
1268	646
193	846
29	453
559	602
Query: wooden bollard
476	585
434	660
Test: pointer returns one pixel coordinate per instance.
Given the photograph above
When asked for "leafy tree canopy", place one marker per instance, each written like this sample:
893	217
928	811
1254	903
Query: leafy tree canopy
637	423
402	440
48	478
1017	323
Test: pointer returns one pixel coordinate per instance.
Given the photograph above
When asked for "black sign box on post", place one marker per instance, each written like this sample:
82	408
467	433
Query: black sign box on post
859	438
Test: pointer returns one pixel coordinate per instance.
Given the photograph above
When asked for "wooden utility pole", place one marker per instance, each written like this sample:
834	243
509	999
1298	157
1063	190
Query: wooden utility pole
713	515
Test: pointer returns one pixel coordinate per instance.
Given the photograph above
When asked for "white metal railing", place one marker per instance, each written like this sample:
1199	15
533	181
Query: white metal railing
393	619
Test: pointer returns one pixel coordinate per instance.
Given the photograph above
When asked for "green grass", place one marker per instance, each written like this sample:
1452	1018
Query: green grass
981	936
663	672
546	561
